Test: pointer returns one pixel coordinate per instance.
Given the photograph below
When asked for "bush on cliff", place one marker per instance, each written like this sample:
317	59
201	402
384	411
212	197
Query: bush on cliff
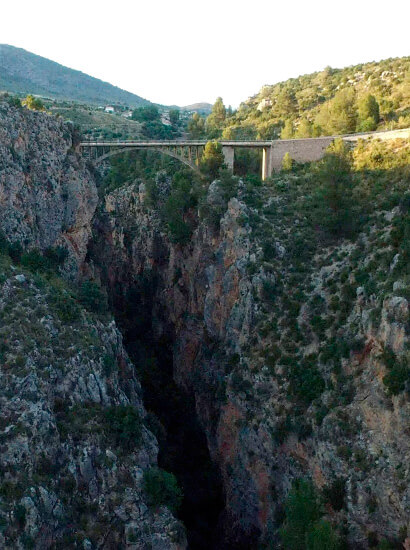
303	528
50	260
124	425
183	196
4	245
162	489
14	101
333	201
92	297
322	536
15	250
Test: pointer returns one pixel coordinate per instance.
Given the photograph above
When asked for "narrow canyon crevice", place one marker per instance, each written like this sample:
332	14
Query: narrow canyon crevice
182	441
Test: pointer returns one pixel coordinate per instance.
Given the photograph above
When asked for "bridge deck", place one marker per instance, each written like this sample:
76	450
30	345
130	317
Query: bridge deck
172	143
386	134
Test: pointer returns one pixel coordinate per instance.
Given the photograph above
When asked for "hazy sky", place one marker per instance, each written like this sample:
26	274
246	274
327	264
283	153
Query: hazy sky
185	51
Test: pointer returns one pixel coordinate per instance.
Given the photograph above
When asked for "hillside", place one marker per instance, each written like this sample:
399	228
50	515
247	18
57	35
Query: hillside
203	108
24	72
94	122
329	102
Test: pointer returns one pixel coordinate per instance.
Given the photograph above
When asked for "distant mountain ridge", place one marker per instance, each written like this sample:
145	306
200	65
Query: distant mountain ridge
24	72
200	107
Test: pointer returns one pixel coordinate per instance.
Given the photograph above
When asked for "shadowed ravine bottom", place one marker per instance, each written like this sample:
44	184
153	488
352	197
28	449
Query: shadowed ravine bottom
183	445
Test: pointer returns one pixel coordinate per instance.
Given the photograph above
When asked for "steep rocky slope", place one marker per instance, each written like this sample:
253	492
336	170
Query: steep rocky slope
74	438
295	347
47	196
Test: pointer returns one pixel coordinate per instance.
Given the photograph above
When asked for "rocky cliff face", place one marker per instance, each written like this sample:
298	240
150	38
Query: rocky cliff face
293	347
284	347
47	195
74	441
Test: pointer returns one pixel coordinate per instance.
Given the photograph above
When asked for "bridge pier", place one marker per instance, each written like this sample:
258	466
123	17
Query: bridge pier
266	163
229	155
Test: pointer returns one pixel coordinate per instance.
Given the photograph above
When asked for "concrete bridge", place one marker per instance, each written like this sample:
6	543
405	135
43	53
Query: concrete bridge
189	152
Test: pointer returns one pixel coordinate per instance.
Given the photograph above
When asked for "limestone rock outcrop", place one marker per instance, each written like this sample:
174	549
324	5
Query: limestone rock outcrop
47	195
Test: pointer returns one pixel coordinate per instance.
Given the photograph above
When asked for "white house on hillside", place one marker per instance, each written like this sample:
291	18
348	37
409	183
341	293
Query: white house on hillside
266	102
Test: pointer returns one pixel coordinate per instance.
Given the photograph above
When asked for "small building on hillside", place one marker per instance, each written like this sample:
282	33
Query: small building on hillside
266	102
109	109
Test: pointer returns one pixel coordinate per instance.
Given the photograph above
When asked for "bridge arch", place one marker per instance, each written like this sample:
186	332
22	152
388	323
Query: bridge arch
164	151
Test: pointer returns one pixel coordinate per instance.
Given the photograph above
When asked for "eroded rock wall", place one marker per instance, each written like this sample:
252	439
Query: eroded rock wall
209	295
47	195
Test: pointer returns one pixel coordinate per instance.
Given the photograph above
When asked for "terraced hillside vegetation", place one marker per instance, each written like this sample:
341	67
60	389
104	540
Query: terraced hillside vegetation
95	123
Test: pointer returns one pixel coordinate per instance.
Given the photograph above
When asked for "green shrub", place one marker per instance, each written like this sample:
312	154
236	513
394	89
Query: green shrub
333	206
322	537
269	291
33	103
282	429
28	542
14	101
212	159
161	488
36	261
335	494
55	256
4	245
180	200
65	306
92	297
382	155
287	163
15	250
305	381
109	364
33	260
396	380
302	511
124	425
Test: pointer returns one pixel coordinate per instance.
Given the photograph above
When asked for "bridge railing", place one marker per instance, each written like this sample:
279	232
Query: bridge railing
405	132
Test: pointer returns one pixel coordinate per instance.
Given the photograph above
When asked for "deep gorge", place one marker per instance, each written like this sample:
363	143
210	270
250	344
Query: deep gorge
258	350
182	442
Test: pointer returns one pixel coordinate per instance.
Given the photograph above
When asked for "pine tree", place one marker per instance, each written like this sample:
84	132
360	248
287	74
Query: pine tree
368	113
216	120
287	162
304	129
287	131
212	159
196	126
338	116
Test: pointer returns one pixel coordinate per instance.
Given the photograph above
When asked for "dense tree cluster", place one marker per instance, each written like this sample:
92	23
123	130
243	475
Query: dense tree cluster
152	125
